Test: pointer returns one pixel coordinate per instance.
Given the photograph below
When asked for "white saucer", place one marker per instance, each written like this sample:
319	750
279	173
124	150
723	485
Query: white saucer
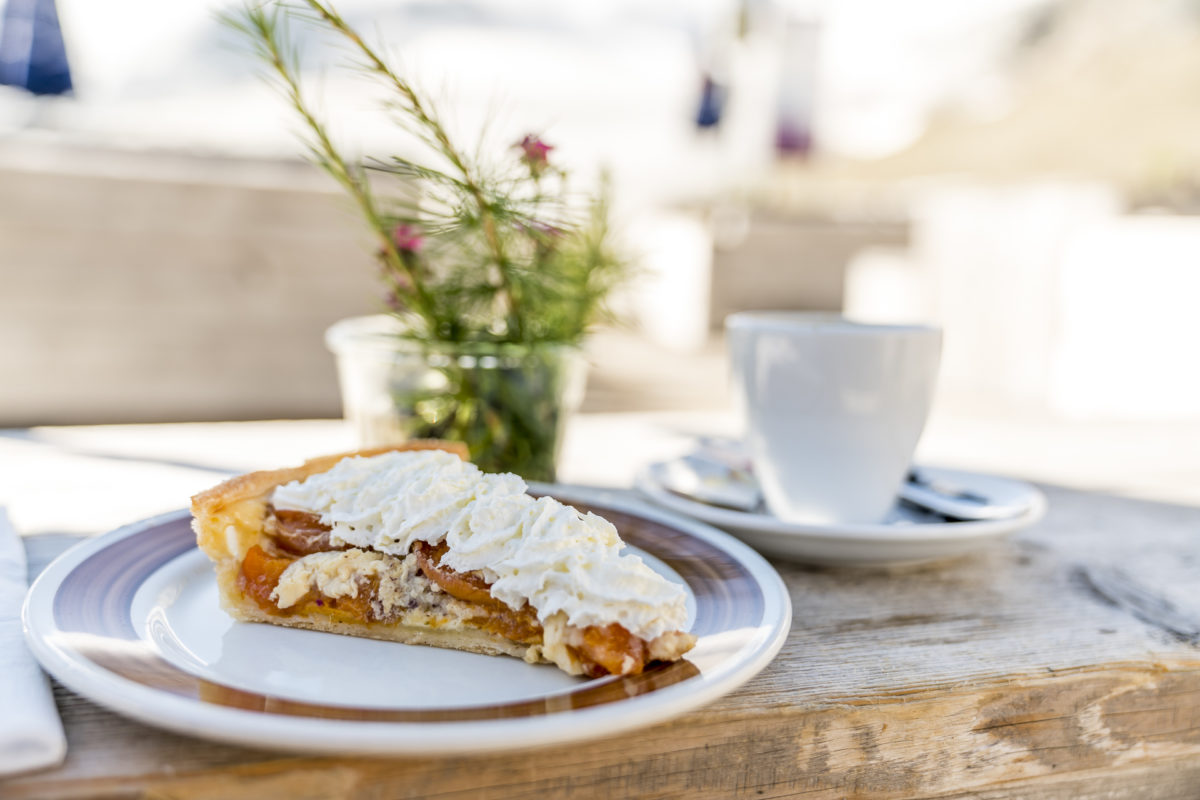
906	537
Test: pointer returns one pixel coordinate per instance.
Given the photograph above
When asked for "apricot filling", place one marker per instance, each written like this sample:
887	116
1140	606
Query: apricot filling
464	586
295	534
260	575
300	533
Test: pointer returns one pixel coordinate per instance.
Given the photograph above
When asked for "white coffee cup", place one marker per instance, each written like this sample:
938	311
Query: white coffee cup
833	408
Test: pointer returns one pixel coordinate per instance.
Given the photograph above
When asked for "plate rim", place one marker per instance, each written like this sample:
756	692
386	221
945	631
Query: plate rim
651	487
265	730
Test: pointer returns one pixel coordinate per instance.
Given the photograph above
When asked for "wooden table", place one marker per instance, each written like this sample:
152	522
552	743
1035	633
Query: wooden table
1063	662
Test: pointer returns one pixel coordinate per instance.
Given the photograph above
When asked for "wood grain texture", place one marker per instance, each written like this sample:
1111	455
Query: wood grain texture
1004	675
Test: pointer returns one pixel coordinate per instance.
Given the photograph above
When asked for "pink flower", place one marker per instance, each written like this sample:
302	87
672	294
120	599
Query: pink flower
407	238
393	301
541	232
534	152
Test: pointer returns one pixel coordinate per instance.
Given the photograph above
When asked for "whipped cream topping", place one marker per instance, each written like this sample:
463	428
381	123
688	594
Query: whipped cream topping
535	550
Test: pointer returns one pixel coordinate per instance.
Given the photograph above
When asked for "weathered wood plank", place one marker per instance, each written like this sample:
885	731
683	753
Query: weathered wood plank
921	746
173	298
1003	675
1161	780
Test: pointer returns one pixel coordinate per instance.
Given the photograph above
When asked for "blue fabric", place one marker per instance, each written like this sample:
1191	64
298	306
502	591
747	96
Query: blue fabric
32	53
712	103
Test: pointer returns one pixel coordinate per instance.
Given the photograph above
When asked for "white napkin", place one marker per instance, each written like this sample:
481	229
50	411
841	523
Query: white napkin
31	733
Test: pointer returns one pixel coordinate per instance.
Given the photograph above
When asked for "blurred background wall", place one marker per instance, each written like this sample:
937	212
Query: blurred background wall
1024	172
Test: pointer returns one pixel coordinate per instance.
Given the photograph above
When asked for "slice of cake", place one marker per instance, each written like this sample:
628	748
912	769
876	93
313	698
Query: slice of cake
413	544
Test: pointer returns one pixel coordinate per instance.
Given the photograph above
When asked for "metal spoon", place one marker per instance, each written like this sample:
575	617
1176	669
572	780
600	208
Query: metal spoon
714	482
953	501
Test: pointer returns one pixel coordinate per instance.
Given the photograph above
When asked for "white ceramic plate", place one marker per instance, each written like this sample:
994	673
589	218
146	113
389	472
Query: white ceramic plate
907	538
130	620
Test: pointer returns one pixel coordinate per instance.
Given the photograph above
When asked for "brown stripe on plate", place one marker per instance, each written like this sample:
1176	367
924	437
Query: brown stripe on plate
92	610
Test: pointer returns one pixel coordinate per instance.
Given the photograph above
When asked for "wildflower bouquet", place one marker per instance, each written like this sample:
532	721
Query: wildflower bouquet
493	270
